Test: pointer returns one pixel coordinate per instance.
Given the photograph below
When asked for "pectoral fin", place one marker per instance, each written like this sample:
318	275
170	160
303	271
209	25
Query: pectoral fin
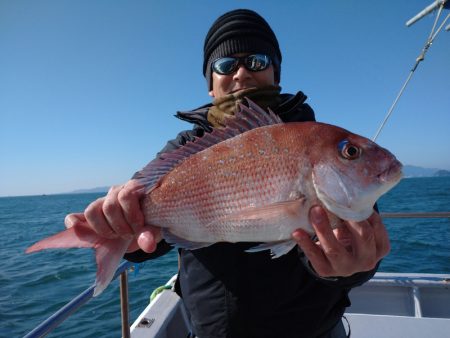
277	249
179	242
268	223
285	209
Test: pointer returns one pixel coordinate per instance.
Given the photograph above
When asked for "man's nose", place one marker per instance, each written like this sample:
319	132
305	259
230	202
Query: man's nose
241	73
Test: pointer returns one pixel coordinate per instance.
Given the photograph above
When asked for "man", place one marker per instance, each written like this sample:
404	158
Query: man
227	291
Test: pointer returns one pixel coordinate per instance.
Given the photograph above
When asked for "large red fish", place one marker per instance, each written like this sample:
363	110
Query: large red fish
253	181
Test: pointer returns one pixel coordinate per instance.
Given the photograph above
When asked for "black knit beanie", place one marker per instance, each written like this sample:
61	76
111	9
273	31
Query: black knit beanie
240	31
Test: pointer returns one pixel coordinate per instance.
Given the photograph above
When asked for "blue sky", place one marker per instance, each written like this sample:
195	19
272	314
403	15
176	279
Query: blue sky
88	89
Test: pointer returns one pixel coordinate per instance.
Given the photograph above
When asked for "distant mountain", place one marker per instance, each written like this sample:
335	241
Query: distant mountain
442	173
92	190
414	171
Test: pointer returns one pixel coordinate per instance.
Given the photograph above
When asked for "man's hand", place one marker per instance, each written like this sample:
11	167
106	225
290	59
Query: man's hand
353	247
119	214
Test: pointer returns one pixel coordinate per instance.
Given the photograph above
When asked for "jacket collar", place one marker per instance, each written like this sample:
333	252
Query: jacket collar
199	116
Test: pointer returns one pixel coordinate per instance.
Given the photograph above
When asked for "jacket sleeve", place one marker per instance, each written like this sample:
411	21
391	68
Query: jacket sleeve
349	282
163	247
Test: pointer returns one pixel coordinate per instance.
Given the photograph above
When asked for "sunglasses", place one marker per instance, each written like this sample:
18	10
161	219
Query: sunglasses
229	64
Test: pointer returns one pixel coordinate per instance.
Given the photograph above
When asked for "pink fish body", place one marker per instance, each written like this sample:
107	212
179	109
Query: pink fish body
255	181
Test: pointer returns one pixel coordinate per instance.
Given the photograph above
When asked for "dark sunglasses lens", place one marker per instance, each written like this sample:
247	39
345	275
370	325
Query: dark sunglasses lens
257	62
224	65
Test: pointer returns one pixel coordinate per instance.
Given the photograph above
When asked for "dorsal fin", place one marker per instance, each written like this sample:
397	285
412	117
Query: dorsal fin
247	118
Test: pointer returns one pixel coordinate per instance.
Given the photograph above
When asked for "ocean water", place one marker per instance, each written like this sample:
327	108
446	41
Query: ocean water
35	286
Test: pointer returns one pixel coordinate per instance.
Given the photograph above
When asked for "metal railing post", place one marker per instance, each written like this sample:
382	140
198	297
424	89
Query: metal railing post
124	307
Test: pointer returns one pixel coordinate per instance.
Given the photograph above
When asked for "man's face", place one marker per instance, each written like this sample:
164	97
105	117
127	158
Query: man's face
240	79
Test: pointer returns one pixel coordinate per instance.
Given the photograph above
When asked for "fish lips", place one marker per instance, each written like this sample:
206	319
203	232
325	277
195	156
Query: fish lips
393	173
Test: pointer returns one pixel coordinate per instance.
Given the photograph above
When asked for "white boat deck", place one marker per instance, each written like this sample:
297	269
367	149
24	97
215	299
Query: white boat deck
401	305
389	305
376	326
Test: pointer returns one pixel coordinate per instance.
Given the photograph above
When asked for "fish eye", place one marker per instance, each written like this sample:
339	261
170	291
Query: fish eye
349	151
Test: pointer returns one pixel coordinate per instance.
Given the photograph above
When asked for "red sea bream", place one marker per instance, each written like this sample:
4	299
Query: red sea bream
253	181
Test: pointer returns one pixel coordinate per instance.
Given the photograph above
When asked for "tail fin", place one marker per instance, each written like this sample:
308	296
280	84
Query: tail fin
108	252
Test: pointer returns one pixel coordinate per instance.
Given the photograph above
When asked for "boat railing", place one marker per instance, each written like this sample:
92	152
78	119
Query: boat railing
415	214
67	310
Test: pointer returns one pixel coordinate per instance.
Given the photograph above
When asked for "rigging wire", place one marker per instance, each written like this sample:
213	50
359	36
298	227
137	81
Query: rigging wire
420	58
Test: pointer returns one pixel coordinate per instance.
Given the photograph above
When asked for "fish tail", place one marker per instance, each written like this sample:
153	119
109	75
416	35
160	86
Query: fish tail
108	257
75	237
108	252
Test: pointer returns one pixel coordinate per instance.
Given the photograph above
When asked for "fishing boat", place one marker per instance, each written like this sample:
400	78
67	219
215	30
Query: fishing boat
389	305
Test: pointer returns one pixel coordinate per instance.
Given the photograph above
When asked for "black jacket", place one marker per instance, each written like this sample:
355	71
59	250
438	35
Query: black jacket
231	293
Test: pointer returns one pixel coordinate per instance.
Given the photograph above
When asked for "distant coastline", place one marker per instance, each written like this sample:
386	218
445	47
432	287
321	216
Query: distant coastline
414	171
90	190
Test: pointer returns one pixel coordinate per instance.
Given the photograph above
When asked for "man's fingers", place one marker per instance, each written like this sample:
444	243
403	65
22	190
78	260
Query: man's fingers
118	214
363	244
370	241
313	252
149	238
75	219
129	198
381	236
96	219
333	250
113	213
351	248
344	236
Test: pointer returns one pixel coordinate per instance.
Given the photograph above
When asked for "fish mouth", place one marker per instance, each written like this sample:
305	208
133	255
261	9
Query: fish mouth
392	173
